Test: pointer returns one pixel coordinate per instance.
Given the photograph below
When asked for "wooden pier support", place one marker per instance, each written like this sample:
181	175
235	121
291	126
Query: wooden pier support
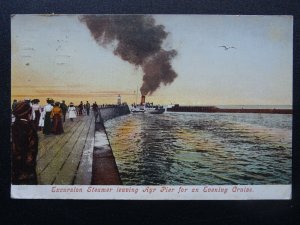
105	170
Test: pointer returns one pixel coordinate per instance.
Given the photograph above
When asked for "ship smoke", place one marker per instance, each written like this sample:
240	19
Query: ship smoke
139	42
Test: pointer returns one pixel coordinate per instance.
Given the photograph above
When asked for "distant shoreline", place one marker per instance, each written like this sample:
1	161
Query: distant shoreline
272	109
241	106
255	106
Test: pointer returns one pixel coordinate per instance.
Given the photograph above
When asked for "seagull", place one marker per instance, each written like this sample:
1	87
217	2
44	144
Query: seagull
226	48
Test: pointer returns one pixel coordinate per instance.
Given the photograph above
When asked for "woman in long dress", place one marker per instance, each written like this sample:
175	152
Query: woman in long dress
72	111
36	108
42	119
47	122
57	115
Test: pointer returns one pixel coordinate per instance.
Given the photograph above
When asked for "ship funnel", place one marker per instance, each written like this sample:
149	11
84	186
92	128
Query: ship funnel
143	99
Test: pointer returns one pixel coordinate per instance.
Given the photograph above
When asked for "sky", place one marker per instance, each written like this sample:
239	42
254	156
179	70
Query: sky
56	56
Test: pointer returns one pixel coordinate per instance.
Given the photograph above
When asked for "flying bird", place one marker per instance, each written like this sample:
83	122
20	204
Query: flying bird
226	48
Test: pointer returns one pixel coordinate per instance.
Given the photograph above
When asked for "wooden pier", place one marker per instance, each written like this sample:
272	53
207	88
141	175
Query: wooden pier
66	159
82	155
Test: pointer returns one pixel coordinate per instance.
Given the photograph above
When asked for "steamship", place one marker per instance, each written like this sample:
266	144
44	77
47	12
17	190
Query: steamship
144	107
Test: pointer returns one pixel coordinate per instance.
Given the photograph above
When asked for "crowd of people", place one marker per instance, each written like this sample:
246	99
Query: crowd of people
50	118
29	117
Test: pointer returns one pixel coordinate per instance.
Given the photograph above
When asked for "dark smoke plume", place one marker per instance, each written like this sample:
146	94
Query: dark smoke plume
139	42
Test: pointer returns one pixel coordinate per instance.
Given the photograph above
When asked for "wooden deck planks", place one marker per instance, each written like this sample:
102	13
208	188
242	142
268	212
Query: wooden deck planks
52	150
60	155
68	171
47	141
60	151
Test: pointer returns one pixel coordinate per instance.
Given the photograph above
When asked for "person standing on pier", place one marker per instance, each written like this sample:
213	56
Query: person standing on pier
47	122
42	119
56	116
14	104
72	111
64	109
36	111
95	108
24	146
13	118
80	108
87	106
83	110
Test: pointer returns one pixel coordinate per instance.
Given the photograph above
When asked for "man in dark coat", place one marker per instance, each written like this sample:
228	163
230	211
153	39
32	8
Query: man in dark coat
95	108
64	109
24	146
80	107
87	107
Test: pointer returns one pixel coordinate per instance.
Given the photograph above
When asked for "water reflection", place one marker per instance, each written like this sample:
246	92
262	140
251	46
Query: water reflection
187	148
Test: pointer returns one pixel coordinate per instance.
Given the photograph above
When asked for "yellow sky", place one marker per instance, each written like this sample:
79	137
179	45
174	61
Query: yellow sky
56	56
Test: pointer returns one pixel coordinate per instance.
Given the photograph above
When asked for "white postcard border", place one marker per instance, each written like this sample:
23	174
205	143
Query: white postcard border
152	192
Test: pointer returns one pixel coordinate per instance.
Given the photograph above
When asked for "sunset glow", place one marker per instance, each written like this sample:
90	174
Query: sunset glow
57	57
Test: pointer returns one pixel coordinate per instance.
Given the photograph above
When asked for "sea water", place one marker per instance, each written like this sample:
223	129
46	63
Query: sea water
202	148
